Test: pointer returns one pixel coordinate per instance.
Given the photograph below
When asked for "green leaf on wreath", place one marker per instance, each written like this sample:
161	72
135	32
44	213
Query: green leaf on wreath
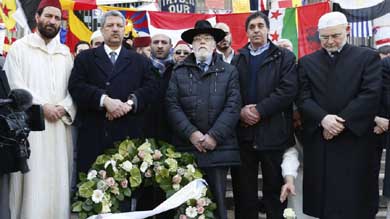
120	197
87	207
135	177
86	190
98	207
127	192
187	158
120	175
165	184
82	176
76	207
102	159
209	214
126	148
83	215
212	206
198	174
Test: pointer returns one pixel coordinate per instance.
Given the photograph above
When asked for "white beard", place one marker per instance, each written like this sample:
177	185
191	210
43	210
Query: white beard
202	54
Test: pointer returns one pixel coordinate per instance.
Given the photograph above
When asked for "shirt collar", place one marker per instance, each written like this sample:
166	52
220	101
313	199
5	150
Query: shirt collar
109	50
331	54
227	59
258	51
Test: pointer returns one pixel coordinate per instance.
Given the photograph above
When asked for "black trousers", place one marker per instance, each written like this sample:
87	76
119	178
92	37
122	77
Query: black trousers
245	183
216	178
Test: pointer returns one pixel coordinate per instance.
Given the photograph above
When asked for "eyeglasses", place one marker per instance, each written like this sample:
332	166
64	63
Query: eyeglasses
333	36
184	52
200	38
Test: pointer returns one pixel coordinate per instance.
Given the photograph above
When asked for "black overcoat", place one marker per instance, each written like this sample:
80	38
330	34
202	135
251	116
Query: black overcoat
92	76
339	179
209	102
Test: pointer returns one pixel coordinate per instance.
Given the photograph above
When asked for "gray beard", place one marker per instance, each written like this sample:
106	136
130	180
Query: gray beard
202	55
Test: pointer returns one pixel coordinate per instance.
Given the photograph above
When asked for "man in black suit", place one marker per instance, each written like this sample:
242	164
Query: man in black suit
4	178
110	86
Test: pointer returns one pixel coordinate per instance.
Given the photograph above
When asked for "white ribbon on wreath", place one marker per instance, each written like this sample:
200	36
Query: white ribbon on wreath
192	190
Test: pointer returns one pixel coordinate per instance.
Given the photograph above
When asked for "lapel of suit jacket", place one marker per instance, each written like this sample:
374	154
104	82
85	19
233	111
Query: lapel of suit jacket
103	62
123	60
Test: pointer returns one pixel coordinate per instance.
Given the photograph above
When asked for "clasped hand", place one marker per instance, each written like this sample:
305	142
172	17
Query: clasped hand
381	125
116	108
53	112
333	125
203	142
249	115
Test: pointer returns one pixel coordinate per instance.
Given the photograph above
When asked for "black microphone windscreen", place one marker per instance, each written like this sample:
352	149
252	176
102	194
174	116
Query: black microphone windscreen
22	99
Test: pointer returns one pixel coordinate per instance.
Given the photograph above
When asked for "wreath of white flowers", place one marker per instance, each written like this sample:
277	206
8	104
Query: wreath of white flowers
131	165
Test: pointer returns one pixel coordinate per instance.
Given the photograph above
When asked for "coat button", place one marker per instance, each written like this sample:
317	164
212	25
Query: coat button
255	147
107	83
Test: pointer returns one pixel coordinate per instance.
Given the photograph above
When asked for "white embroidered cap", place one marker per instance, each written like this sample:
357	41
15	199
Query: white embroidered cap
96	34
332	19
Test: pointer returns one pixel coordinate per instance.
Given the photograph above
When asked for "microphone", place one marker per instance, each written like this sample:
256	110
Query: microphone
19	99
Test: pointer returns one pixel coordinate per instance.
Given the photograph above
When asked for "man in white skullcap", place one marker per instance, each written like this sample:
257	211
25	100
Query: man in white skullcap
339	96
96	39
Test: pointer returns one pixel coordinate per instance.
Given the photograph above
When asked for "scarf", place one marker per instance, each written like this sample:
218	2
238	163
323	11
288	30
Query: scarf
161	64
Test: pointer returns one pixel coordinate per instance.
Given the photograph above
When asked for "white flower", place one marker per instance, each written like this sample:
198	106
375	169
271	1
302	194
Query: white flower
181	171
201	217
289	213
92	174
204	191
97	196
127	166
191	212
106	208
101	185
172	163
191	168
136	159
113	165
144	167
176	187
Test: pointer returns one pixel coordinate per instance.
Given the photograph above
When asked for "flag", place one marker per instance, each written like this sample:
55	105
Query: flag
361	29
174	24
382	31
356	10
7	9
283	26
258	5
236	23
289	3
299	25
308	17
241	6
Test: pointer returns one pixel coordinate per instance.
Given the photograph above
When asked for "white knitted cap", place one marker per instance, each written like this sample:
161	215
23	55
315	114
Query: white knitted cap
332	19
96	34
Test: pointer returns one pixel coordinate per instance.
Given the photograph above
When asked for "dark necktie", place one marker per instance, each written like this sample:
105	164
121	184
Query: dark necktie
113	57
203	66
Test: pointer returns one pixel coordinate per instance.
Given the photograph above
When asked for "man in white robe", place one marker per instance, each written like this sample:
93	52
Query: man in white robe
40	64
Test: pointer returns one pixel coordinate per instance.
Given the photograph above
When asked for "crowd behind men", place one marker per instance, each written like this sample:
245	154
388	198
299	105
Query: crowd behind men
230	109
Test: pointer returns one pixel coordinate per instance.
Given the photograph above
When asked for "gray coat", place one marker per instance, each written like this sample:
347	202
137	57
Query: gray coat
209	102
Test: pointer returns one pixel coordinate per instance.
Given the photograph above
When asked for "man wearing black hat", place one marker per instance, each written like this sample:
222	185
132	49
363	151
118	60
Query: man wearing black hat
203	103
268	81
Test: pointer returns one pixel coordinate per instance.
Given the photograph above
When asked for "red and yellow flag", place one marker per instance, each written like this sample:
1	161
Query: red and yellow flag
7	9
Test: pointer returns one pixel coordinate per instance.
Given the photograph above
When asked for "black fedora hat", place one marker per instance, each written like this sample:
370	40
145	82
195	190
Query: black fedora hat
203	26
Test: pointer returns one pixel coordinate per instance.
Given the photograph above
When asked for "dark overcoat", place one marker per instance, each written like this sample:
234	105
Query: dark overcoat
339	179
386	112
92	76
209	102
276	89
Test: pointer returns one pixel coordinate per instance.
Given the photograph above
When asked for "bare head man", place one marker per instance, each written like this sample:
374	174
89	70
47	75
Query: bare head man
161	45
